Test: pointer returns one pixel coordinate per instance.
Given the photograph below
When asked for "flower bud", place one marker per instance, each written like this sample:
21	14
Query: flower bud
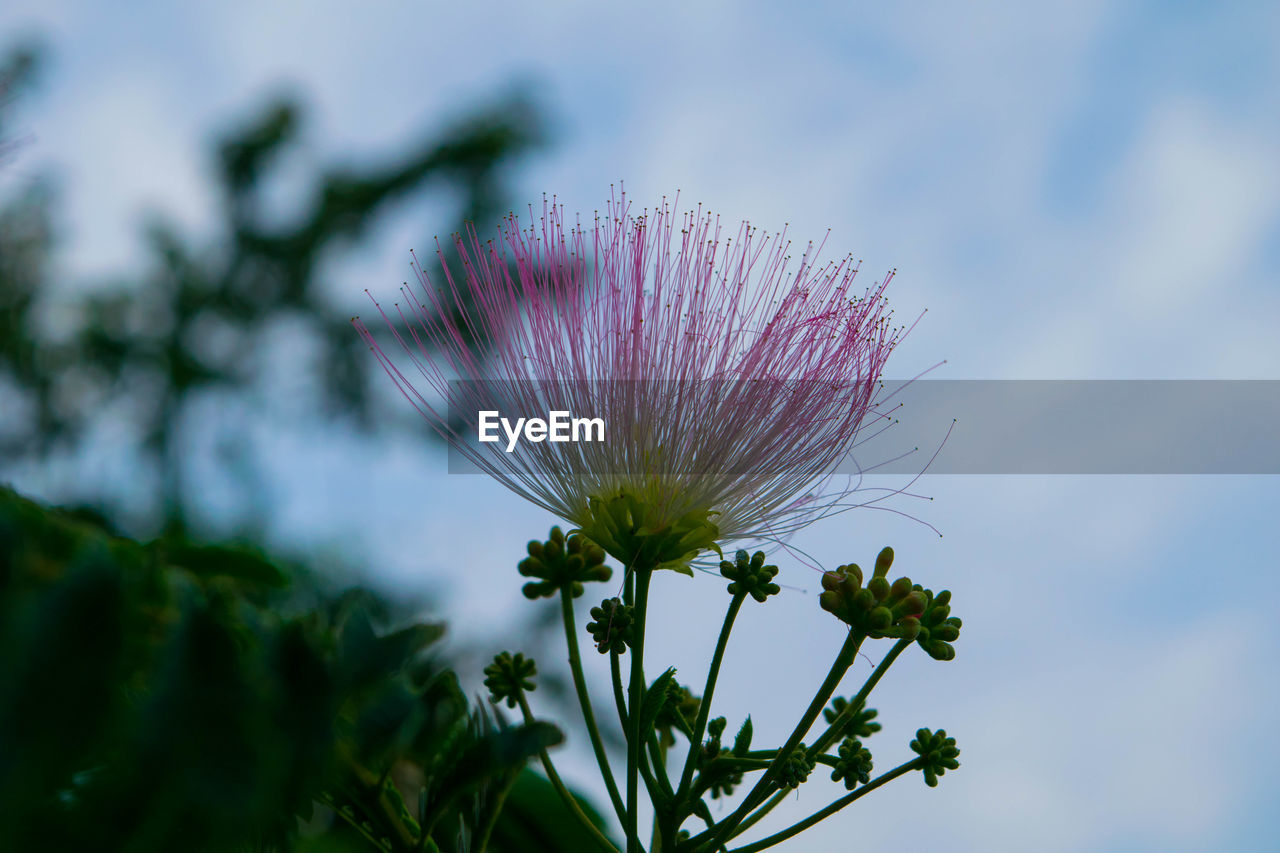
880	609
562	563
857	723
611	626
796	769
854	764
508	676
712	748
750	576
938	628
939	753
902	587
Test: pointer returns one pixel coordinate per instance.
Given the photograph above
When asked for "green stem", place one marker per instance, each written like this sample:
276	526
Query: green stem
744	764
832	734
801	826
352	821
615	673
553	777
829	760
661	817
704	707
636	738
368	795
759	814
657	755
750	762
584	700
843	661
651	783
491	820
658	786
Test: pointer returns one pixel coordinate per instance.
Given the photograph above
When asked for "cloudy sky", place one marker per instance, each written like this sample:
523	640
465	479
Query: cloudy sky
1074	191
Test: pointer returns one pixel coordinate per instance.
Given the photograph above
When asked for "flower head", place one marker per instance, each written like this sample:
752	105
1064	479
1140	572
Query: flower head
729	384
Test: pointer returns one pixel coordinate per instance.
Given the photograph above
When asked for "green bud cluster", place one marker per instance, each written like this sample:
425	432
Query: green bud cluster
858	723
938	628
796	768
722	784
679	711
854	765
750	575
562	563
712	748
611	626
719	781
880	609
939	753
507	676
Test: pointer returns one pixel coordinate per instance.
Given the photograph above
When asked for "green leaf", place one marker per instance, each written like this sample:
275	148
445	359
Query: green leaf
680	566
654	699
401	647
229	561
485	755
742	742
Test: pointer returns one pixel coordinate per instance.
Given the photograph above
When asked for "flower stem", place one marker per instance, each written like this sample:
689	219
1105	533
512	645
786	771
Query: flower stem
636	690
661	817
619	698
486	831
368	791
657	754
759	814
704	707
584	700
827	812
724	830
832	734
570	801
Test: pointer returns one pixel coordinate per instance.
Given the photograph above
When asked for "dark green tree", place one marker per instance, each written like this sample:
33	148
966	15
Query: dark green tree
198	319
163	697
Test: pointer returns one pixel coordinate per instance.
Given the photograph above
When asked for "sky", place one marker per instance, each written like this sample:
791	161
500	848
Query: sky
1078	190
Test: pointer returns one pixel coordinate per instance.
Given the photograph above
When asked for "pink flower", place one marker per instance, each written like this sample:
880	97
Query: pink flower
729	386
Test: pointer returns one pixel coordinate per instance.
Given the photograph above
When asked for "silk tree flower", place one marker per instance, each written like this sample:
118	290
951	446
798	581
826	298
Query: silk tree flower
730	385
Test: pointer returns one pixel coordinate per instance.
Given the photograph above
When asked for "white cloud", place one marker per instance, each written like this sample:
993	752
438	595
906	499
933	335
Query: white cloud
1197	197
1169	277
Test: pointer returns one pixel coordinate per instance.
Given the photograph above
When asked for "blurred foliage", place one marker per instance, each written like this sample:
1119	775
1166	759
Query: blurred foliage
169	696
174	695
198	320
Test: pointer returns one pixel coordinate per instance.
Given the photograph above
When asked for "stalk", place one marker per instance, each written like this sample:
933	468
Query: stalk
636	692
570	801
704	708
801	826
843	661
584	700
